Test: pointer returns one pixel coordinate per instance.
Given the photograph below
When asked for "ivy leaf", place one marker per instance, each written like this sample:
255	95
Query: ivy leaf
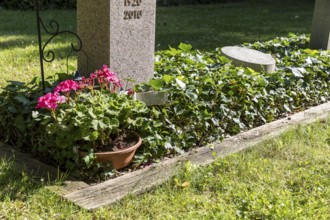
261	81
22	99
181	84
296	72
172	51
185	47
208	79
193	96
286	107
168	145
157	84
167	78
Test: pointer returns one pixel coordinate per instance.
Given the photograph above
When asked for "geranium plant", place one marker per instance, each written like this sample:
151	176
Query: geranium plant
87	116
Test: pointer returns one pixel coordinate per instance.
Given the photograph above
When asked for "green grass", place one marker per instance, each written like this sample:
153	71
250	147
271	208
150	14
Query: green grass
283	178
209	26
205	27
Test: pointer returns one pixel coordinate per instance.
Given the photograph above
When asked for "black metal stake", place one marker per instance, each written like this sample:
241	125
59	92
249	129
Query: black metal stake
41	52
53	31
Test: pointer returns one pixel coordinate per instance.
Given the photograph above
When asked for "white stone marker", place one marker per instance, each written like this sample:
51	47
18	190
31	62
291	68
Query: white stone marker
246	57
120	34
320	37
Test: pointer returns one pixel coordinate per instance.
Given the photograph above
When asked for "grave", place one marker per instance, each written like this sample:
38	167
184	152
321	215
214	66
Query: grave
253	59
320	37
120	34
93	196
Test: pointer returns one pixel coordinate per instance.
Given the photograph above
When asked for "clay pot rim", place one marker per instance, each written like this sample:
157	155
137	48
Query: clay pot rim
135	146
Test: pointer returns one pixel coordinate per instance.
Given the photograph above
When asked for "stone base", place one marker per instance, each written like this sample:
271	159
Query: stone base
152	98
254	59
320	37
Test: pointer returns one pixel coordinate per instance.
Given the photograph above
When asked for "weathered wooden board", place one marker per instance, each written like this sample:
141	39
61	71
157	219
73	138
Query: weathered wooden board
140	181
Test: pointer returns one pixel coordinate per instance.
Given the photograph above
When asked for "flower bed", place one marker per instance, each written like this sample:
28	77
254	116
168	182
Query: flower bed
209	99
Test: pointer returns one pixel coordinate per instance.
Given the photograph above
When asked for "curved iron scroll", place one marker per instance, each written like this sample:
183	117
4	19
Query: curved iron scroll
54	31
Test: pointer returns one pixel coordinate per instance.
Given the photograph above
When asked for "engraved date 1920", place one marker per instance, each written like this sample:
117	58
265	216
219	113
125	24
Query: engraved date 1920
133	3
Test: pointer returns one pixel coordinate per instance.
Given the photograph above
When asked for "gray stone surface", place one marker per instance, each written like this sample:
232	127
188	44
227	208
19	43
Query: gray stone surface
152	98
320	37
250	58
120	34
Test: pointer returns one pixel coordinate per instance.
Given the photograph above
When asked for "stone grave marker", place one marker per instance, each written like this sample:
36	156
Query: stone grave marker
246	57
120	34
320	37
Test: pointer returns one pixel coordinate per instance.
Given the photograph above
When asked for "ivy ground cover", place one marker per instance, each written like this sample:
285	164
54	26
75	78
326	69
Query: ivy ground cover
209	98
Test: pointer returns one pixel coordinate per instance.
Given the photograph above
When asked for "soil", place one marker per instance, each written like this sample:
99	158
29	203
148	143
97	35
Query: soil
119	142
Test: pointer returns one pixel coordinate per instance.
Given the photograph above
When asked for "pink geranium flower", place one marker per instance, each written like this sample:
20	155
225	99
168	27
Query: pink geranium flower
105	75
66	86
106	78
86	83
93	75
50	101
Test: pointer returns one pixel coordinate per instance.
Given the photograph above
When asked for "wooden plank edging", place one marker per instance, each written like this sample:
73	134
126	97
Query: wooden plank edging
140	181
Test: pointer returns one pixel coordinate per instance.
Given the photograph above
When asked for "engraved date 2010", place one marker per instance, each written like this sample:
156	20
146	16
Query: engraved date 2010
136	14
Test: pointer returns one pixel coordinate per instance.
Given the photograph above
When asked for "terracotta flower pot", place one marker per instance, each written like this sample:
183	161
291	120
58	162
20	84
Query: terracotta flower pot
119	158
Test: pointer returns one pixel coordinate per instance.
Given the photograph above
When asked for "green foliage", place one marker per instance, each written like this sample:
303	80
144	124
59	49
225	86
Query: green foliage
86	124
209	98
17	101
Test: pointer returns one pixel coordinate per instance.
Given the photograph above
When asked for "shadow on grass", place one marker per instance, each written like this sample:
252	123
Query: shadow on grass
15	185
203	26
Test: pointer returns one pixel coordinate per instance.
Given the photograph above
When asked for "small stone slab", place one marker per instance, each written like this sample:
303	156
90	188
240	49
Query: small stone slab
152	97
246	57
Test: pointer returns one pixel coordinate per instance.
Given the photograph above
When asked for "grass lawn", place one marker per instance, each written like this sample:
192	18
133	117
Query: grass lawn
205	27
283	178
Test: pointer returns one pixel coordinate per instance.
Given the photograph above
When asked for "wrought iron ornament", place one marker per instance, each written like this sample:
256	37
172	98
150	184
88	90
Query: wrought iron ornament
53	31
